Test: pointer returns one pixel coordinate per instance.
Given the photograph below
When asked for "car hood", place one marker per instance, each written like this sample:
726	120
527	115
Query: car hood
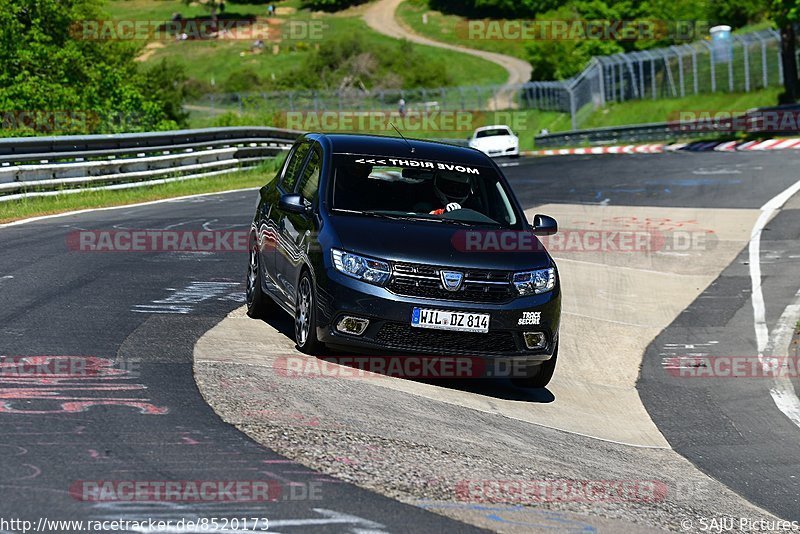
440	244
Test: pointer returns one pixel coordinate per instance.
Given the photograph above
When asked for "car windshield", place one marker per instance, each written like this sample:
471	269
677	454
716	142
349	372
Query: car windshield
492	133
428	190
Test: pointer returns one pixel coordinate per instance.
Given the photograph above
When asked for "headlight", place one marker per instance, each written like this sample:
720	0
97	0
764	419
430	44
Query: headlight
535	282
366	269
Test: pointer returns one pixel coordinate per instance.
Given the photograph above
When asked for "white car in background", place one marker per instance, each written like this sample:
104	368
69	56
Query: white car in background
495	141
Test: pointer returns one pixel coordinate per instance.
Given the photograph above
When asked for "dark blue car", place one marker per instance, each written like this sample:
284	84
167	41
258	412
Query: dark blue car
392	246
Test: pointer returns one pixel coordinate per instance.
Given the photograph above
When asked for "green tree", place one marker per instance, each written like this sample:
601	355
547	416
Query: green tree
330	5
557	59
786	13
51	63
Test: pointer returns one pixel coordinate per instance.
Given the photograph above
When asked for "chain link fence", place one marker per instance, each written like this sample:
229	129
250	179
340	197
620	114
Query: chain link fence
745	63
748	62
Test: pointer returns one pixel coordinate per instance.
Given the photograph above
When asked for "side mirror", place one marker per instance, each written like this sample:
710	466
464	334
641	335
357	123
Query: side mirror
544	225
294	203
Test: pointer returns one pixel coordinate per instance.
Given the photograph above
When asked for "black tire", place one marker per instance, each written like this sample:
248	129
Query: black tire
258	304
538	376
305	317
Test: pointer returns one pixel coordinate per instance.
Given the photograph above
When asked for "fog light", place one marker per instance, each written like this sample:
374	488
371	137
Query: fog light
352	325
535	340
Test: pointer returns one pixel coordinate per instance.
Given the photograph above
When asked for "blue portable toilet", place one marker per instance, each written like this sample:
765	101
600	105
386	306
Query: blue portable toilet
721	43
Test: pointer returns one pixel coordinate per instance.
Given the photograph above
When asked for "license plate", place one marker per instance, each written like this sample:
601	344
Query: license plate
450	320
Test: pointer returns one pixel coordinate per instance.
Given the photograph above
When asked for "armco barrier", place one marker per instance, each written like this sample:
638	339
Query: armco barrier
35	166
660	131
761	121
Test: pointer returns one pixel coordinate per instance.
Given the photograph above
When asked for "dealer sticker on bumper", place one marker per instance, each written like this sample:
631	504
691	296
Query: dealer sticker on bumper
450	320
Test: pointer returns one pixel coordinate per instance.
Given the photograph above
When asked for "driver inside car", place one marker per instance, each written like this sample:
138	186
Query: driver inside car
452	191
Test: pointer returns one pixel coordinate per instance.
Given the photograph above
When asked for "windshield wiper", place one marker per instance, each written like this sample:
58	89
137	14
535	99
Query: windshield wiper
408	217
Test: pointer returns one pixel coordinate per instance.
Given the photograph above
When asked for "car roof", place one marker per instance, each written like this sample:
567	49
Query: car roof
482	128
380	145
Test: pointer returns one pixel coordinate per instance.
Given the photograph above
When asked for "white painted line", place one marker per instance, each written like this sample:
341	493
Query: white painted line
783	393
330	517
148	203
768	210
769	144
675	146
747	146
786	143
730	146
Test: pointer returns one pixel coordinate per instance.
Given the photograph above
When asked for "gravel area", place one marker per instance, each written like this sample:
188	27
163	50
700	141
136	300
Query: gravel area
421	451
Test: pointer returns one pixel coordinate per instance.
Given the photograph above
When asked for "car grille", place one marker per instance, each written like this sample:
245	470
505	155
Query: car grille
401	336
416	280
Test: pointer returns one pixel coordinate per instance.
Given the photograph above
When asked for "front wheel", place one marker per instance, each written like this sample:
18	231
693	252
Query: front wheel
305	322
538	376
258	304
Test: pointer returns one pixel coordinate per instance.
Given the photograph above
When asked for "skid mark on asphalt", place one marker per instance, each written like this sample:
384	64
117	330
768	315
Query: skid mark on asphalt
184	301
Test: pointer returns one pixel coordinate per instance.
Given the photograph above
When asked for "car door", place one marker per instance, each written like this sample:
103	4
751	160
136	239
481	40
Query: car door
297	229
269	229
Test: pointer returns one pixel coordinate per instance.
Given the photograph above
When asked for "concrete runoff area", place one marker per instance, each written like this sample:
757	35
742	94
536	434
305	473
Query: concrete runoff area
415	440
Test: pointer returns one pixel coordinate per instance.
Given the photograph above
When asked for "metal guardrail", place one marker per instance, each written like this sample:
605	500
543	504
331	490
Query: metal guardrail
660	131
38	166
761	121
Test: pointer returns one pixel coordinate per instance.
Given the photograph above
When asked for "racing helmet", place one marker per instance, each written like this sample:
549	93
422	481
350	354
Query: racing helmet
452	187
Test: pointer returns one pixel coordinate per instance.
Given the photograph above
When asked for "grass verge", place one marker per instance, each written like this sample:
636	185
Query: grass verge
644	111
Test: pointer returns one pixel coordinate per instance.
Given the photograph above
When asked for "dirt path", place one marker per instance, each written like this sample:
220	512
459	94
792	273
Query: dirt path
381	18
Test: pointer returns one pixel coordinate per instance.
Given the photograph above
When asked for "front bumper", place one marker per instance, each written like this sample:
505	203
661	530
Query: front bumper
390	329
499	152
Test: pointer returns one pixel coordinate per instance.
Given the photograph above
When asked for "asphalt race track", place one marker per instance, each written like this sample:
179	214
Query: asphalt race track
61	303
133	410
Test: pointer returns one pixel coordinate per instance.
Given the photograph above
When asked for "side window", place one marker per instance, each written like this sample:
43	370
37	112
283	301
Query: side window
293	168
309	182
